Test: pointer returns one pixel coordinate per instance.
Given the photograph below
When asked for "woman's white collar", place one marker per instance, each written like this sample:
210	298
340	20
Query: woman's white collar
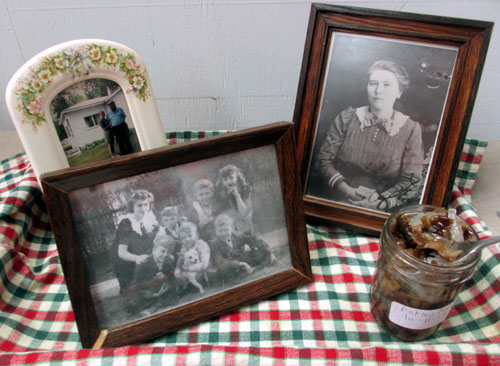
392	126
149	221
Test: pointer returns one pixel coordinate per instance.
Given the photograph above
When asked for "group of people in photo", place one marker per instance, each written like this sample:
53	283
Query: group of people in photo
115	130
187	249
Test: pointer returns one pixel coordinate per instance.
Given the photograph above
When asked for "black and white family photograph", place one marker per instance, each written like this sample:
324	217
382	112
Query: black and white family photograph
93	123
159	240
381	107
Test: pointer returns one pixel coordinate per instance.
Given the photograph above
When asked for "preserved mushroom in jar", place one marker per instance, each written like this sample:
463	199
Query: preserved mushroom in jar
430	236
418	277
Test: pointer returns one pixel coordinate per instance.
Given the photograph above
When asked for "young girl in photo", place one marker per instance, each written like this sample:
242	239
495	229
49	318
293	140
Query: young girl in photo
234	197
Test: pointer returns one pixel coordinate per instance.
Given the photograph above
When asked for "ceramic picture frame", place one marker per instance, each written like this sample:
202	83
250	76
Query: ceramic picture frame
55	100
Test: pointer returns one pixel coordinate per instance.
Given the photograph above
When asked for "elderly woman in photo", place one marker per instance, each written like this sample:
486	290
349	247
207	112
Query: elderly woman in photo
134	237
372	156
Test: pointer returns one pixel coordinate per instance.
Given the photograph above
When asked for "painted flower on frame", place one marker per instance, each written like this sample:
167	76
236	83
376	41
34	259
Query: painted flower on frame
60	63
130	64
45	75
111	58
76	62
36	84
95	54
138	82
34	107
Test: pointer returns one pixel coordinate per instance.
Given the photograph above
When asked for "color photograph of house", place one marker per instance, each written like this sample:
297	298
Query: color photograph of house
75	113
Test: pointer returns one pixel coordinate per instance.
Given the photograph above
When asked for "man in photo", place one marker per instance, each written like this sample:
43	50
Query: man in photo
119	128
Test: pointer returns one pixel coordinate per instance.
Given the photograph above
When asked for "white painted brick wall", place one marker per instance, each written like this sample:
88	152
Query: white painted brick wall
220	64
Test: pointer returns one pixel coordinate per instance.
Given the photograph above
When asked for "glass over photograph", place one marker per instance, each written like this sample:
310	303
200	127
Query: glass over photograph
92	121
159	240
381	107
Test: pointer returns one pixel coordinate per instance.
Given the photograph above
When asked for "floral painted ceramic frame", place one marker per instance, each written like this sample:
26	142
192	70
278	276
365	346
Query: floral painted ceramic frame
33	87
317	92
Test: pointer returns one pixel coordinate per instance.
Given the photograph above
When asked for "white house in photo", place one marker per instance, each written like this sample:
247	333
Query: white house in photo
81	121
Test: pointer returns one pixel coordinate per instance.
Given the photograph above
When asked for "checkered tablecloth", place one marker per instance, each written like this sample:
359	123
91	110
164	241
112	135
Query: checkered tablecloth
325	322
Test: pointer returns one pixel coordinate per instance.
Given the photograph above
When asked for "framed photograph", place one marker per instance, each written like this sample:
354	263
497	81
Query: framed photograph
382	110
163	239
83	101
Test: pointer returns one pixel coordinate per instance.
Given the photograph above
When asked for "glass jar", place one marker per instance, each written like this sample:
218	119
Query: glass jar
410	298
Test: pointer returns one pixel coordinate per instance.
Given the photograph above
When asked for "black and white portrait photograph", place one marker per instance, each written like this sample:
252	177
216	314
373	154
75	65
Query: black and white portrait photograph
159	240
381	108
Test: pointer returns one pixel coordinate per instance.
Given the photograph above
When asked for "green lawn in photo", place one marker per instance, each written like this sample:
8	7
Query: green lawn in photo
101	152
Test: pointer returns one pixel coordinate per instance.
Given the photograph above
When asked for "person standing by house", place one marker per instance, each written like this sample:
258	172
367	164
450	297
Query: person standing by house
120	128
108	134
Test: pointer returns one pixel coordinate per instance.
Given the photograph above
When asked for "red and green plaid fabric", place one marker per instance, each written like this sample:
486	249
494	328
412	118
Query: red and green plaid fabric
468	166
325	322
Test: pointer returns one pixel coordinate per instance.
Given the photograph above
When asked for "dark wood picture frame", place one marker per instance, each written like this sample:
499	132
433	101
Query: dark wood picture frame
470	39
58	186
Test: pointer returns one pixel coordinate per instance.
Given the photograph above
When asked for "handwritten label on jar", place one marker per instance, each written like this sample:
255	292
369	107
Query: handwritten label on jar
412	318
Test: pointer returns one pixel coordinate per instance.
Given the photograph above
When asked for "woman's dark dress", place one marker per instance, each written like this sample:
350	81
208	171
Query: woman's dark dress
136	243
389	160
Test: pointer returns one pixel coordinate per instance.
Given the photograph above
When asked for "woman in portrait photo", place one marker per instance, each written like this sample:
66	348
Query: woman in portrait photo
372	156
134	237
